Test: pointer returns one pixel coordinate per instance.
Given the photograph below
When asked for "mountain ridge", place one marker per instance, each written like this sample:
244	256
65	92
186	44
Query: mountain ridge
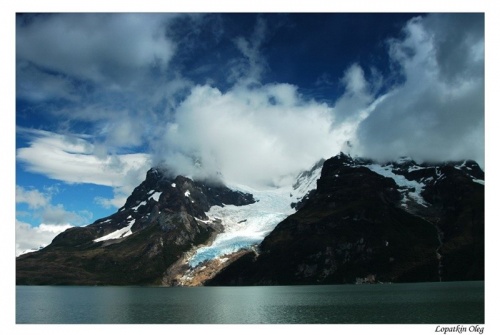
168	222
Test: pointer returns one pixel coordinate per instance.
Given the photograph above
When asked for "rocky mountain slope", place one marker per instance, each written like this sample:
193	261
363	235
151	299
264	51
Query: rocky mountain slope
368	223
162	219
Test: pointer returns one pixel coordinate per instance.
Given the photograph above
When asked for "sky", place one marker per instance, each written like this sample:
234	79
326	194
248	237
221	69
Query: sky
255	98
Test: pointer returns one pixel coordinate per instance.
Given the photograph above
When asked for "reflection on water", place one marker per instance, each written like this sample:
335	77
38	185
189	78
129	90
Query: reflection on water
432	303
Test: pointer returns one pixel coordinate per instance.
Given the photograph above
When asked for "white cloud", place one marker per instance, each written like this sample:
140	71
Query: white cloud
255	132
34	198
352	105
116	202
40	205
438	111
354	80
71	159
55	219
113	49
252	135
106	71
125	131
56	215
31	238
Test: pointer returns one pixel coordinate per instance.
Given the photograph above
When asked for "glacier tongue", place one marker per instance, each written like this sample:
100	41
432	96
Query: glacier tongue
246	226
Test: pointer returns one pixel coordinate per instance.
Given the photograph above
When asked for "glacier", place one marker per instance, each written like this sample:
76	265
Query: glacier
246	226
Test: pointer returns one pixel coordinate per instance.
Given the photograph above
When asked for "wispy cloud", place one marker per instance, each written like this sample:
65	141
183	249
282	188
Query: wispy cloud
250	69
358	95
72	159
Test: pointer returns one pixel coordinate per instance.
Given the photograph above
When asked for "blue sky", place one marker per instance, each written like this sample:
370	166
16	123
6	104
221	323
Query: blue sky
100	98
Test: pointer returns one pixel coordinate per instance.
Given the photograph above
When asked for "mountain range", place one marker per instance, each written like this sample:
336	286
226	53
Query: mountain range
346	220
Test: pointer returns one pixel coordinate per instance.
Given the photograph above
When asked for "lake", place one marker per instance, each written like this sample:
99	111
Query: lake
417	303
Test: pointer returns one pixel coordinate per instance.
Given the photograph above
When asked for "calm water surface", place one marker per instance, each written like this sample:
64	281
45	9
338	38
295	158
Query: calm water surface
434	303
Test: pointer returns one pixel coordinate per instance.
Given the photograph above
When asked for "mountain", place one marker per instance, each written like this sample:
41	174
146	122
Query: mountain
368	222
162	219
345	220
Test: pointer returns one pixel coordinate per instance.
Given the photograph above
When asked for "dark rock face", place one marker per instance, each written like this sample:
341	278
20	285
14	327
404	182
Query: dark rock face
166	217
360	226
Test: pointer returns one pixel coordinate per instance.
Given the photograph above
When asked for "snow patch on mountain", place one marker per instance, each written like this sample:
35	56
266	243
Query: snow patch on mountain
120	233
479	181
468	170
155	196
306	181
31	250
409	188
139	205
